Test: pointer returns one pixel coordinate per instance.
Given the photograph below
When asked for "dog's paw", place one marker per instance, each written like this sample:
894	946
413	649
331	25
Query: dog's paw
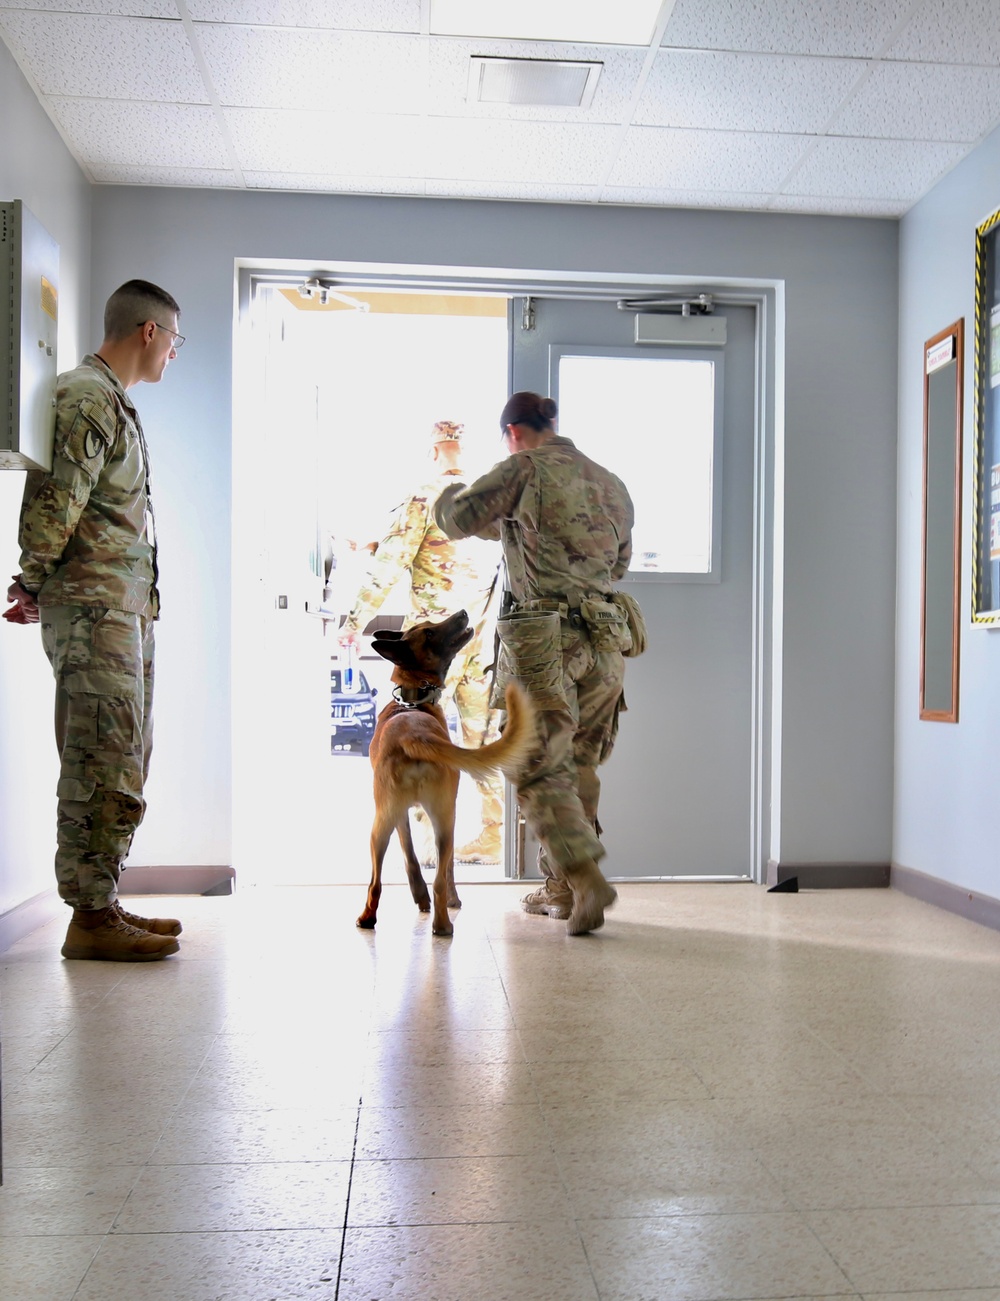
366	922
444	928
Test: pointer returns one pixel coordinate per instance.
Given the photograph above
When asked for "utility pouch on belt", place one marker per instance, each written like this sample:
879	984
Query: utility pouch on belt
629	607
531	654
607	625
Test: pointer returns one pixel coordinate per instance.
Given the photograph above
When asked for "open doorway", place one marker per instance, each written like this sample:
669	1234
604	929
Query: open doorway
346	392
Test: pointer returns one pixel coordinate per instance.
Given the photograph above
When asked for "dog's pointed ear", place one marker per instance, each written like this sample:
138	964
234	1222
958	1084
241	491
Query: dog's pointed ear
398	651
389	634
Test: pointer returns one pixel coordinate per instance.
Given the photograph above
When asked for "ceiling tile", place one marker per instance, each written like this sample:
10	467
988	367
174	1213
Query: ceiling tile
325	183
344	15
332	71
551	153
126	8
120	58
269	140
820	206
666	198
745	92
117	133
904	101
705	160
852	28
963	31
449	79
197	177
537	193
872	169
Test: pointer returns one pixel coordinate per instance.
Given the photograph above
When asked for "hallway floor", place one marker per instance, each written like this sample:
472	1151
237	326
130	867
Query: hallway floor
722	1094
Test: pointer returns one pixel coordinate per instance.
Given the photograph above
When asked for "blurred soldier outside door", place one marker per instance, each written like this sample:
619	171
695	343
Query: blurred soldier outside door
445	576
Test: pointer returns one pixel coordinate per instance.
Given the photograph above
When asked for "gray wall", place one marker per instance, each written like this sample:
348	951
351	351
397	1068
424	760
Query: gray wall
36	168
840	461
945	817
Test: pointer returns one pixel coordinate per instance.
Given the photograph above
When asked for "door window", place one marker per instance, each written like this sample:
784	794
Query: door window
652	420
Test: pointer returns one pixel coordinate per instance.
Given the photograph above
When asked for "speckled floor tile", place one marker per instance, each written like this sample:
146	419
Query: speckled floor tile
48	1268
397	1133
687	1180
895	1249
543	1261
40	1202
705	1257
257	1266
456	1190
201	1137
196	1198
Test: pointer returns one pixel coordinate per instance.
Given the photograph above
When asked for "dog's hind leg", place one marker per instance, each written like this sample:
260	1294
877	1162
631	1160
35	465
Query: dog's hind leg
418	886
381	832
442	817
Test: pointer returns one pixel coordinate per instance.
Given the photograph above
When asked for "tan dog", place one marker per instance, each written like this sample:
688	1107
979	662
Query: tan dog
414	761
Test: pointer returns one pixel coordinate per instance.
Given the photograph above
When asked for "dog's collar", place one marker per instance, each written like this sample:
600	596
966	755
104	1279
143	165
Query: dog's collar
411	697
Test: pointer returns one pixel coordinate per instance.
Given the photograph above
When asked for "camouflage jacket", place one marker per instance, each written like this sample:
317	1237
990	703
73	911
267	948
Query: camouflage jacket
445	575
565	522
86	529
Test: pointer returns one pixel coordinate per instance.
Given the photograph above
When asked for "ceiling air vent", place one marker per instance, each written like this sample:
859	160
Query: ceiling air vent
552	82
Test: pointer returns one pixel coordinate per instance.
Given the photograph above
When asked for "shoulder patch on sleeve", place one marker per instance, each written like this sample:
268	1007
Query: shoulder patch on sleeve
98	415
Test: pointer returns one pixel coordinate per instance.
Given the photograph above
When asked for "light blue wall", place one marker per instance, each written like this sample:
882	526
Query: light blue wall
946	801
36	168
840	285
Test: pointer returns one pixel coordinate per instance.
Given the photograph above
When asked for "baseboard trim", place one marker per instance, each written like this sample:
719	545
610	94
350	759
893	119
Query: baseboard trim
981	908
176	880
831	876
26	917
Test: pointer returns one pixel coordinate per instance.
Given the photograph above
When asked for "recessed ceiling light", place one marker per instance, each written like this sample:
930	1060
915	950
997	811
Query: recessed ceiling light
590	22
552	82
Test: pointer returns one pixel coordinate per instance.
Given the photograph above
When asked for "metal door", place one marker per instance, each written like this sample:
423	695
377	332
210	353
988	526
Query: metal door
678	793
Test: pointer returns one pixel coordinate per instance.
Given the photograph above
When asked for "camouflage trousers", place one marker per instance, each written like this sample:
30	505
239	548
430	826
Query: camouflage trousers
559	789
103	666
468	686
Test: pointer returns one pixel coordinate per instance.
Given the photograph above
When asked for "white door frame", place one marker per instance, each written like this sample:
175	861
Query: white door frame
766	297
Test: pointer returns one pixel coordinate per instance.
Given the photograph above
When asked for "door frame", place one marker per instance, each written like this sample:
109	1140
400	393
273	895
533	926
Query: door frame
767	299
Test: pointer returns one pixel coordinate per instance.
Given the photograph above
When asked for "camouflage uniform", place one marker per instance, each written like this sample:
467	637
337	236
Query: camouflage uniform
444	577
88	551
566	525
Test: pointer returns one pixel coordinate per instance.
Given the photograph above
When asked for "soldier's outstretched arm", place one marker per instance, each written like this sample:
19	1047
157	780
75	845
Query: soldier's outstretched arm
476	510
393	558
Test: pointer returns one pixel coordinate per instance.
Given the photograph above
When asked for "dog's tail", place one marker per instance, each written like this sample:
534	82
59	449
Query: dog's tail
508	753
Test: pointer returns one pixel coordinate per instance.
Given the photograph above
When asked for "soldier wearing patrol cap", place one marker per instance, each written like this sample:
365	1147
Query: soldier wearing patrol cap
445	576
89	575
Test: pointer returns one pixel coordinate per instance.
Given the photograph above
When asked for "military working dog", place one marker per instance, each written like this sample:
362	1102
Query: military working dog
414	761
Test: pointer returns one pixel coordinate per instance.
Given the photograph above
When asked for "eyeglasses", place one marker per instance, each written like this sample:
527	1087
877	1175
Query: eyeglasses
178	338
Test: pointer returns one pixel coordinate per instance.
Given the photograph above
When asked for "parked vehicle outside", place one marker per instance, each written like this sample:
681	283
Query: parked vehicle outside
352	714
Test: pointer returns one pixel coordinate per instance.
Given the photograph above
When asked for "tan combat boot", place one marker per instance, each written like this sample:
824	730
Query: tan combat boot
591	895
486	847
551	899
154	925
101	935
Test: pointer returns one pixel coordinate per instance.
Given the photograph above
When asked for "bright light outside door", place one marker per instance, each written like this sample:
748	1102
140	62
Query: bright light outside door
651	421
375	382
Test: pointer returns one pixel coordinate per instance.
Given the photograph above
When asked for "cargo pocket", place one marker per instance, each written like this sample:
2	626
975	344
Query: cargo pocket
106	713
607	626
76	790
531	654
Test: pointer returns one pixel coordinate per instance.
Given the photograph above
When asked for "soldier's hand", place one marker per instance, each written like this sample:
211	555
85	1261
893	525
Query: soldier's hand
348	638
24	608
